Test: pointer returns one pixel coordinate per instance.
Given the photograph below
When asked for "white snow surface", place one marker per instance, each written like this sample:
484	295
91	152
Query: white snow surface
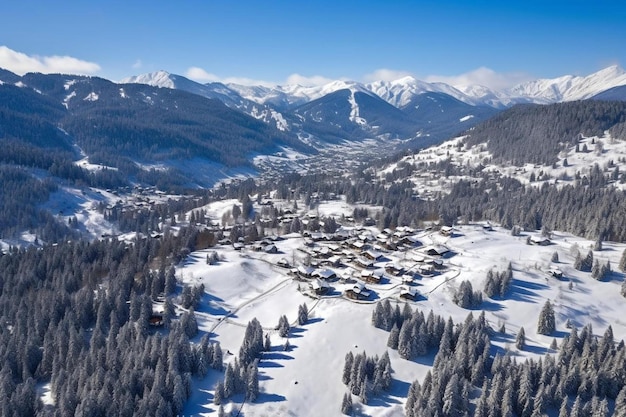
155	79
91	97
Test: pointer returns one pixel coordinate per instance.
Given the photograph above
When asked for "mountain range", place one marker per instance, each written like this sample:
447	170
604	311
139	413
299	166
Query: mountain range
400	92
428	112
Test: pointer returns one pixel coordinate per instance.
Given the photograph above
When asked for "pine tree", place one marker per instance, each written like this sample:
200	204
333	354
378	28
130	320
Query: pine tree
394	337
620	404
217	360
578	262
218	398
555	257
564	411
596	270
363	393
520	341
252	383
546	323
303	314
347	368
346	404
267	345
229	381
283	326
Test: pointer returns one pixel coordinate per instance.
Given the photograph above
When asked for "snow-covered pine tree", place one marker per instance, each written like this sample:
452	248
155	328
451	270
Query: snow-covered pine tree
252	382
546	324
347	368
346	404
218	397
394	336
229	381
596	270
283	326
520	340
303	314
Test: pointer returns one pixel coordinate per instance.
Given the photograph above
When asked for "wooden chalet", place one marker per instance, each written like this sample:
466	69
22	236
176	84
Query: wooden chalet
409	293
358	292
324	274
555	273
540	240
320	287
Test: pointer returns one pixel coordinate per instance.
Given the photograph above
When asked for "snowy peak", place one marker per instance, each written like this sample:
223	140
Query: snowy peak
285	96
156	79
400	92
569	87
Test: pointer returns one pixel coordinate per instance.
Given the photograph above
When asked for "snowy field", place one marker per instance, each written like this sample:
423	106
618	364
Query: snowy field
306	379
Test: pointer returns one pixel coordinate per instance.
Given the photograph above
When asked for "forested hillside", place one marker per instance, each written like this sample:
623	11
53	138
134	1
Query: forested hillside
536	134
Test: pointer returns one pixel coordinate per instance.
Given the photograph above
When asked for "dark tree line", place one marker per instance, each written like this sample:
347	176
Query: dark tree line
582	380
90	303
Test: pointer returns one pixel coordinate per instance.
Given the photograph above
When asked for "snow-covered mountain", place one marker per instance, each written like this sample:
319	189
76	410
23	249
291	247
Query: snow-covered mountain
354	113
401	91
569	87
215	90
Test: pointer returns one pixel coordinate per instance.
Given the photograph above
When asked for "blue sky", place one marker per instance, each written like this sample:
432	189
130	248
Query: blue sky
489	42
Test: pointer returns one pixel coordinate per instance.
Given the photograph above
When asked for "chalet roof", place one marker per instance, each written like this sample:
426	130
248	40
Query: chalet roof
319	284
324	273
360	288
404	290
436	249
305	270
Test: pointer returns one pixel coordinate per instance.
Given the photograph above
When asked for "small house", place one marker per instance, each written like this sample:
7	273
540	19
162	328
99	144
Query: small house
320	287
373	255
305	271
446	231
409	293
283	263
324	274
358	292
270	249
556	273
540	240
364	262
436	250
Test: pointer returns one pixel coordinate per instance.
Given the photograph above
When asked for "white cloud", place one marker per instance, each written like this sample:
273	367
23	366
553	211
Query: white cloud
483	76
385	74
314	80
20	63
201	75
137	64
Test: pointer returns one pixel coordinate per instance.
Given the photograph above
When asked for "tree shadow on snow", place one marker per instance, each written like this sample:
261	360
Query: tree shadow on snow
384	399
296	332
269	398
520	292
269	364
489	305
275	356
